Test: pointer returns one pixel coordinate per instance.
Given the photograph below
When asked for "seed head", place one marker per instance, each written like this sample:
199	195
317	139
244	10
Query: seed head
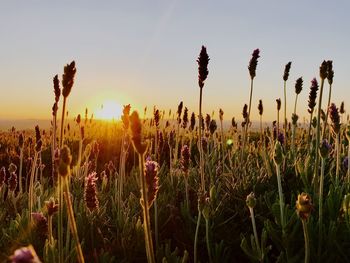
193	121
68	78
325	149
330	72
278	101
221	115
342	109
253	63
185	118
12	182
323	70
125	116
286	71
278	153
295	118
212	126
245	112
156	115
298	85
179	112
207	121
90	192
152	180
335	118
38	139
304	206
21	140
136	131
260	108
65	161
203	61
312	95
40	223
56	87
25	255
233	123
185	159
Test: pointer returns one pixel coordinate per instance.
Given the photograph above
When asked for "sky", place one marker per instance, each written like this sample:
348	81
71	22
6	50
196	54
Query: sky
144	53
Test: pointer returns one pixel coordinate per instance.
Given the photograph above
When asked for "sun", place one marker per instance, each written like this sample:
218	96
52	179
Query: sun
109	110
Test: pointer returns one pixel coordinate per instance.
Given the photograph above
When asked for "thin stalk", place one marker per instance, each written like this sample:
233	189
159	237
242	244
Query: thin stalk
294	126
318	133
309	132
251	210
320	207
146	217
49	221
348	173
285	111
201	155
31	186
245	133
261	131
196	236
327	113
186	192
306	239
280	193
337	146
20	170
72	222
155	201
62	121
208	240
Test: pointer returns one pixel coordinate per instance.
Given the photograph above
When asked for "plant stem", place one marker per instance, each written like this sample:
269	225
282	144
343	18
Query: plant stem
207	239
285	111
306	239
320	208
251	210
196	236
31	186
146	217
201	155
294	126
72	222
318	131
280	193
245	133
337	147
20	170
327	112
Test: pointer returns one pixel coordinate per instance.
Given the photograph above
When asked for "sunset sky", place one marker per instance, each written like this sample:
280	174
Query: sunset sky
144	53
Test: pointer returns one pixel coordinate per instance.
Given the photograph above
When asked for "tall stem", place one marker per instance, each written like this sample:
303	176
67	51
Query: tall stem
207	239
338	158
20	170
318	132
285	111
196	236
294	126
245	134
146	219
251	210
320	207
306	239
72	222
201	155
309	132
327	112
31	186
280	193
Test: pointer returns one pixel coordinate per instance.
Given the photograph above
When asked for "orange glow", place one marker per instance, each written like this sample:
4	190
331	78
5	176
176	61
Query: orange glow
109	110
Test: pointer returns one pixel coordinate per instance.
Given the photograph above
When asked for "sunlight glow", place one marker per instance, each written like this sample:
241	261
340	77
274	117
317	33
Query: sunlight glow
109	110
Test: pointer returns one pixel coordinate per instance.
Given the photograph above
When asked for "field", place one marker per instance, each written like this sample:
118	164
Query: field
178	188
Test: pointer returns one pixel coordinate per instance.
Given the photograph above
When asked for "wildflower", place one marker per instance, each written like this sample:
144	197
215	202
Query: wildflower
68	78
90	192
136	130
280	138
334	115
156	117
312	95
21	140
152	180
295	118
212	126
323	70
185	118
253	63
78	119
207	121
346	163
286	71
330	72
125	116
40	223
341	109
304	206
298	85
278	153
65	161
202	61
233	123
179	112
278	101
185	159
51	206
221	115
57	90
245	112
260	108
192	121
251	200
25	255
325	149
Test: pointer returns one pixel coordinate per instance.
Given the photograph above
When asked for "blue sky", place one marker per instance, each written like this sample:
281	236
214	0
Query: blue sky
144	53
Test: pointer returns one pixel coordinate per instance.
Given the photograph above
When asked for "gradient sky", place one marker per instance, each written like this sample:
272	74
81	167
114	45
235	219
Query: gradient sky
144	53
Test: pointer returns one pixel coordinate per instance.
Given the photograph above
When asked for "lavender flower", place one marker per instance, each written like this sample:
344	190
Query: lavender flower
68	78
286	71
152	180
260	108
202	61
25	255
312	95
193	121
185	159
90	192
298	85
334	115
330	72
253	63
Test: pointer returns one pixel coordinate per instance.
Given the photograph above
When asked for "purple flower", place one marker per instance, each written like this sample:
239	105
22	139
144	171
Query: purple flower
346	163
25	255
280	138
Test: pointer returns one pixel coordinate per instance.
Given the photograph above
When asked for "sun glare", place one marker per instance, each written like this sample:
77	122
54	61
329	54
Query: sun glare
109	110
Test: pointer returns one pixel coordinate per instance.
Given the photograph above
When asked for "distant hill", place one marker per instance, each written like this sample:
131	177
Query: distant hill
24	124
